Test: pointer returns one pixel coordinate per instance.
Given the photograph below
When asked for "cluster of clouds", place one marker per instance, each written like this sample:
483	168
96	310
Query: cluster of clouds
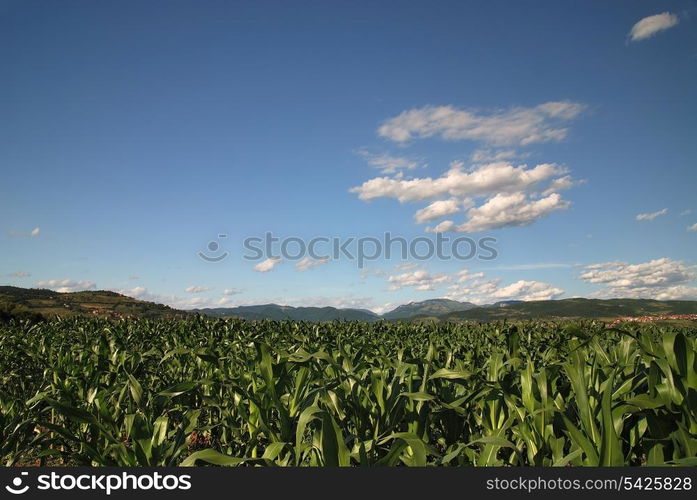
388	164
659	279
420	280
197	297
199	302
493	192
477	288
649	216
304	264
473	287
517	125
173	300
192	299
67	285
307	263
508	195
480	181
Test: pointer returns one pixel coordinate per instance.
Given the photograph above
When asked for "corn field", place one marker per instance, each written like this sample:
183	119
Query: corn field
85	391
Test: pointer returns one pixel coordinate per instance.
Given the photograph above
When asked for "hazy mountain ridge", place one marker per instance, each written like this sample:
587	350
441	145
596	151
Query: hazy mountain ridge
431	307
450	310
33	303
278	313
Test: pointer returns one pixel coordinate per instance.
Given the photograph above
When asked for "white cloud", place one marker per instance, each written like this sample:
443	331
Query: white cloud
465	275
308	263
446	225
507	195
139	292
532	267
231	291
516	125
685	212
651	25
491	156
224	302
403	266
67	285
652	215
561	184
527	290
266	265
507	210
472	287
657	272
175	301
24	234
659	279
477	291
196	289
480	181
421	280
511	194
437	209
676	292
388	164
19	274
372	272
693	227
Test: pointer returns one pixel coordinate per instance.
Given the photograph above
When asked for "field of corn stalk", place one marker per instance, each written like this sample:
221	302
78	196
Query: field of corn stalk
229	392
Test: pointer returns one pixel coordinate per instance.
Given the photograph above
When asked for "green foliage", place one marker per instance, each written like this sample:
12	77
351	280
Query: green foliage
86	391
15	312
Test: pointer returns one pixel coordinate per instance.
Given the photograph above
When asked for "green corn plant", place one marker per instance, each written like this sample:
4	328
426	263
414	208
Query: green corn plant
197	391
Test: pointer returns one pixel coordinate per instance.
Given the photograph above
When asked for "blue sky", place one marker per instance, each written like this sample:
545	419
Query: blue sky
134	133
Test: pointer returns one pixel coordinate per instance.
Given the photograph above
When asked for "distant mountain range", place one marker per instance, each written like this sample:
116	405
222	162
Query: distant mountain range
276	312
451	310
431	307
25	302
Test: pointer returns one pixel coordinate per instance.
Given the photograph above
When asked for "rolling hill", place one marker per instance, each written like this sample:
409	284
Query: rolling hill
574	308
25	302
